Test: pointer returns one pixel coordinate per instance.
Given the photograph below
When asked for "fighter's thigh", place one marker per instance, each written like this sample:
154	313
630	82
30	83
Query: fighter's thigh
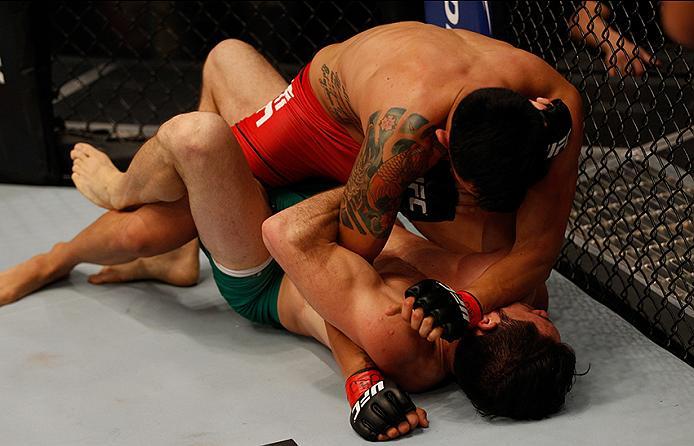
227	203
239	80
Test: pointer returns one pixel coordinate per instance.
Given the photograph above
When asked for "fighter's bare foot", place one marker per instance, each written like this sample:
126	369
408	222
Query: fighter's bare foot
180	268
95	176
28	277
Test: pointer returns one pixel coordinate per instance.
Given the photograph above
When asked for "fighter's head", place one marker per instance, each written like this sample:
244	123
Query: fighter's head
497	144
514	365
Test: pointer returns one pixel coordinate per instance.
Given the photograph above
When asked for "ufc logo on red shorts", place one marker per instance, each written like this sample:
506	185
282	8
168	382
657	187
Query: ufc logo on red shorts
275	105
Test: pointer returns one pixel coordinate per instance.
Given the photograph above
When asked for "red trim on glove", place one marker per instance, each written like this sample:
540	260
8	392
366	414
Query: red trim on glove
474	307
360	382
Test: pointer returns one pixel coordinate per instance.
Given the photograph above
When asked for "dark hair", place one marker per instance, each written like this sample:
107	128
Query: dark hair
495	144
514	371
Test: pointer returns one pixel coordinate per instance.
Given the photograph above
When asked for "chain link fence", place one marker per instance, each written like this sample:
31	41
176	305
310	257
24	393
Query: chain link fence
122	68
630	241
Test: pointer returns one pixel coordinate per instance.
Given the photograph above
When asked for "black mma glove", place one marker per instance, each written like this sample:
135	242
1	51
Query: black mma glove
377	404
451	310
432	197
557	118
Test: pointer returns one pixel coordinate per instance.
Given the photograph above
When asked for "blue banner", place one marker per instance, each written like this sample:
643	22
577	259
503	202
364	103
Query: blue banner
473	15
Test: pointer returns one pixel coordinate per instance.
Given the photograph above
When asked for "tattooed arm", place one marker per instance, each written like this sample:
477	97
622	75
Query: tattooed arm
399	146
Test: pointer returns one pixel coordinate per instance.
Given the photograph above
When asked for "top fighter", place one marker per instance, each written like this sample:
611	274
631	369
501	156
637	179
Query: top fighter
393	101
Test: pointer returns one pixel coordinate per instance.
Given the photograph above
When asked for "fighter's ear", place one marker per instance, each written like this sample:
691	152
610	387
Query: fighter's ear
487	323
442	137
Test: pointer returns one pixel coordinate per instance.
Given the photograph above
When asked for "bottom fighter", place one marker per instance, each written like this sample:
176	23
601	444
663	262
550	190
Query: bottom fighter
511	364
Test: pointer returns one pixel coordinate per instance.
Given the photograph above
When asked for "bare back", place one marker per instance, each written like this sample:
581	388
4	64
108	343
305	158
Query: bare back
404	63
392	87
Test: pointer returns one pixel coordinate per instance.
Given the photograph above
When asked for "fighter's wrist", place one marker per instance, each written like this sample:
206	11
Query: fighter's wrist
360	382
356	362
474	307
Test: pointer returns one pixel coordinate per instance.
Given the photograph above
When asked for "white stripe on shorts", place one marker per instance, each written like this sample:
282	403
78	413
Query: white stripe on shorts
244	272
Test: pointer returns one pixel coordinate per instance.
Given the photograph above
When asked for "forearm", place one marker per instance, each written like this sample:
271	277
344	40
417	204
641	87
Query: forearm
360	243
337	283
510	280
399	146
349	356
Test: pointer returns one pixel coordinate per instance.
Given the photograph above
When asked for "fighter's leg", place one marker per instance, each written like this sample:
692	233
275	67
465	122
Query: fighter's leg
228	205
157	170
151	177
180	267
115	237
236	81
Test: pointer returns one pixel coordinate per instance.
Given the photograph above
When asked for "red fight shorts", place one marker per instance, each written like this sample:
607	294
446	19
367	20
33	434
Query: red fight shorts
293	138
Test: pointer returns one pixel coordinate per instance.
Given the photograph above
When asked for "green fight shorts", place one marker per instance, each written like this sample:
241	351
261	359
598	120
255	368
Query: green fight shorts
255	296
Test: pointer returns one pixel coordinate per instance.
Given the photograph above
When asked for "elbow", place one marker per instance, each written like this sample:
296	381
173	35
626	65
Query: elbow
540	257
546	262
275	235
546	268
574	101
577	99
543	264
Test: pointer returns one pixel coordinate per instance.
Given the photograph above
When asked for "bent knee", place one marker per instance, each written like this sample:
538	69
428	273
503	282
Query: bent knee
194	135
226	50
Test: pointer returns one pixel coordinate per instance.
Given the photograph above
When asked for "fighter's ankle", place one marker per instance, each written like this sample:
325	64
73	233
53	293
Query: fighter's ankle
118	199
57	262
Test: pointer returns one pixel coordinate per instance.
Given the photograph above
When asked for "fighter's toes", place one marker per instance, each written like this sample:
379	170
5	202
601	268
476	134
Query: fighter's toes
75	153
79	150
84	148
